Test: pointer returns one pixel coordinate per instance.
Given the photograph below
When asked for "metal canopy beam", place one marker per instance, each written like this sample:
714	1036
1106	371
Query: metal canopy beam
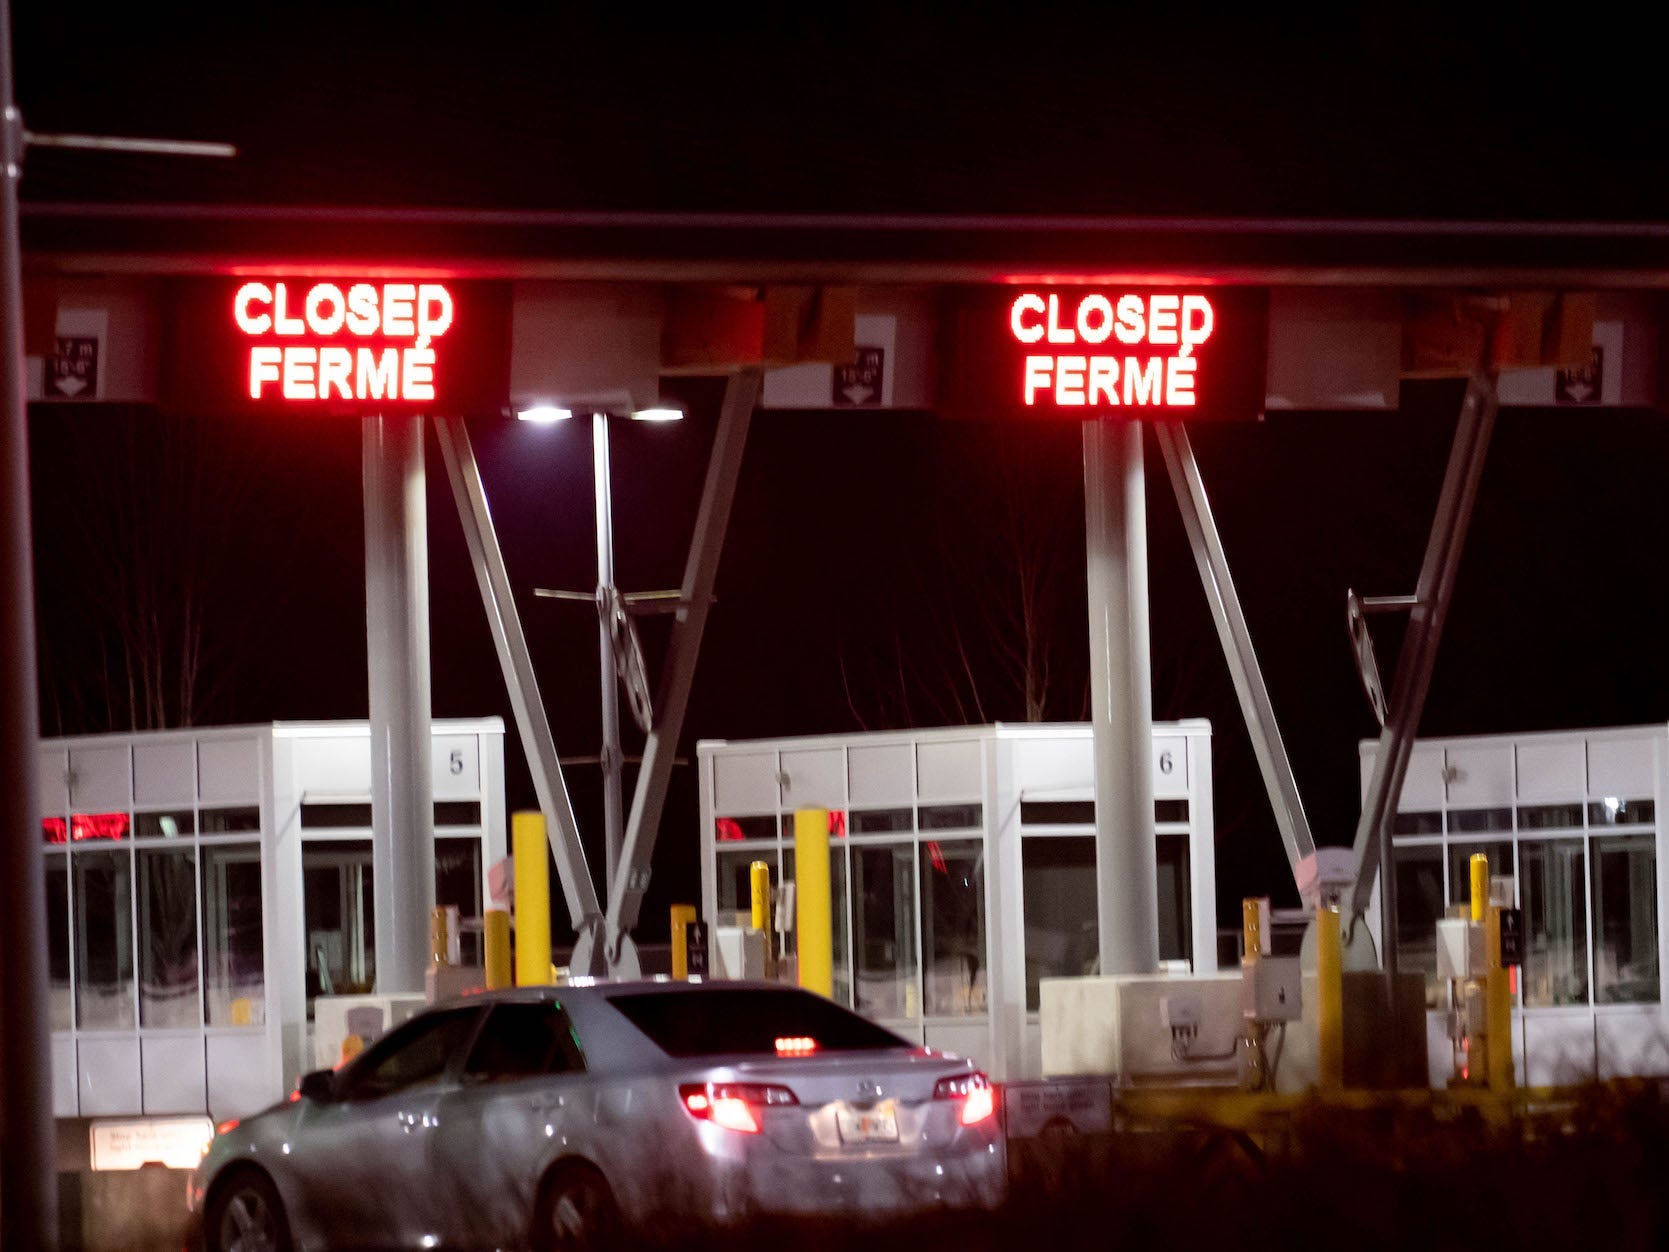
523	685
1449	525
1242	659
741	395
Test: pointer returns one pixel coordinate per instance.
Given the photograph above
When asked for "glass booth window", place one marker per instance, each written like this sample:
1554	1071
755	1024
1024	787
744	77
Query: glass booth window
458	884
1625	919
234	973
1552	891
1057	879
62	1011
1419	890
837	915
735	888
339	911
104	939
884	916
168	938
953	927
1176	900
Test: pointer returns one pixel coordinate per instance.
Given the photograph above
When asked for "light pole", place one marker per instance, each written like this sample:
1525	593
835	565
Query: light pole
620	659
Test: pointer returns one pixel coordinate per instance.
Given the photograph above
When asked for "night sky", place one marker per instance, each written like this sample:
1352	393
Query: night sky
859	537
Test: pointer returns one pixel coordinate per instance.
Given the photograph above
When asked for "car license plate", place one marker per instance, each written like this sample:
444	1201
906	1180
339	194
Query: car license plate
872	1125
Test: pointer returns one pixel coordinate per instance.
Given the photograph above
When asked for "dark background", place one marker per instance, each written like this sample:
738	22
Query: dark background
861	542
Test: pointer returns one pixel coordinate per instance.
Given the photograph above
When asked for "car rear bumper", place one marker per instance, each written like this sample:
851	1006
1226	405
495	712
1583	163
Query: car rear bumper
974	1177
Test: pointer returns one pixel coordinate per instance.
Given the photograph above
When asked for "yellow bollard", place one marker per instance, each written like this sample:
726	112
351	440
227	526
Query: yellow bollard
759	881
1252	912
496	939
1330	1000
440	940
682	917
533	900
1480	885
813	911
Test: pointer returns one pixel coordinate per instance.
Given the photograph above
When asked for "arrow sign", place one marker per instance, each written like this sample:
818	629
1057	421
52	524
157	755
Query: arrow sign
72	372
859	384
1582	385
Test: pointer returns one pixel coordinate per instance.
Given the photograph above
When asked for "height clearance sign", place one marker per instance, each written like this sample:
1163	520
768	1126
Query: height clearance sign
1059	351
348	346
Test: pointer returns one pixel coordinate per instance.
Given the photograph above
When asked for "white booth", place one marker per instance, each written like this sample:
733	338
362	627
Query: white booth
963	866
203	886
1575	818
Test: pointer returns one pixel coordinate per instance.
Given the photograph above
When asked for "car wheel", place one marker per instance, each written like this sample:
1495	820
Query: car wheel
576	1213
246	1215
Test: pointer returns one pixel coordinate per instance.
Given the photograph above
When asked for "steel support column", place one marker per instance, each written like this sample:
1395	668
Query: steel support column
1121	697
614	822
397	649
1242	658
533	727
724	466
1430	608
28	1180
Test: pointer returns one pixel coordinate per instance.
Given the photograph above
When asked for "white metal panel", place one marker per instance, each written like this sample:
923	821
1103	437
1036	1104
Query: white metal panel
455	766
744	783
338	765
881	774
63	1077
971	1039
1170	767
108	1075
815	778
1422	785
165	773
948	770
1631	1043
100	778
1559	1047
1621	768
1481	774
1551	769
243	1074
229	770
1045	766
1334	349
173	1072
54	781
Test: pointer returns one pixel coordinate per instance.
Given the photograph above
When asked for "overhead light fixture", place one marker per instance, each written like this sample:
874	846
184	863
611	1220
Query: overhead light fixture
658	415
545	413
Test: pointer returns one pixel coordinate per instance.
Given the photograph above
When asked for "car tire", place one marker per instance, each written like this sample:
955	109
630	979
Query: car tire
576	1212
246	1215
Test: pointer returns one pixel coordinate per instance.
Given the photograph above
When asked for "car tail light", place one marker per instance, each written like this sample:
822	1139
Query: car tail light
796	1045
979	1098
733	1105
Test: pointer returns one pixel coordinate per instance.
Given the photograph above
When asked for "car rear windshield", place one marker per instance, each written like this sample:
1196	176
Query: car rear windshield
724	1022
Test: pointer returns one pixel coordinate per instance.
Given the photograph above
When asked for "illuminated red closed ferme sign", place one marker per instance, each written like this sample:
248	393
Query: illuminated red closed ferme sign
341	345
1054	350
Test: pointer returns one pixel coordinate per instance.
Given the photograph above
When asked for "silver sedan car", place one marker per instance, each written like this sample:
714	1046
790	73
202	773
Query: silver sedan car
570	1117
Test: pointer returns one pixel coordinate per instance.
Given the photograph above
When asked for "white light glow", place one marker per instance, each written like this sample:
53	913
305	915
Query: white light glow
659	415
545	413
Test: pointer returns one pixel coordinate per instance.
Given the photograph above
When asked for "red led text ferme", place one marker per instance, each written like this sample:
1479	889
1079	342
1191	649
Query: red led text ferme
1083	352
297	346
335	344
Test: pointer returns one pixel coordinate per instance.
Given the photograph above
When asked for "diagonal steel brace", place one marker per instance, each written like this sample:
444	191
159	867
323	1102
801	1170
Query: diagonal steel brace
1242	659
523	685
741	395
1430	608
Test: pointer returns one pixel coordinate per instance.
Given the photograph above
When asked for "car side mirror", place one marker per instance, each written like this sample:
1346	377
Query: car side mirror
319	1086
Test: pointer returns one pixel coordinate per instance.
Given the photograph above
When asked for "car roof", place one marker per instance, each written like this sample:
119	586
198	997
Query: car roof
603	988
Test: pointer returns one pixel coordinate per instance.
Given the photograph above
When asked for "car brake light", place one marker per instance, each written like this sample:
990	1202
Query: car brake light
979	1098
227	1127
796	1045
732	1105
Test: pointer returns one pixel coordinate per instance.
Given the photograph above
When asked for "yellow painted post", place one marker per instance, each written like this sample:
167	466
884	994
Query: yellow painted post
759	881
533	900
813	907
1252	909
440	940
1330	1000
495	934
682	916
1480	885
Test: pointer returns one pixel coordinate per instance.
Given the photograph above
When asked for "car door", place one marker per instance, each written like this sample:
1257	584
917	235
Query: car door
522	1097
362	1156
